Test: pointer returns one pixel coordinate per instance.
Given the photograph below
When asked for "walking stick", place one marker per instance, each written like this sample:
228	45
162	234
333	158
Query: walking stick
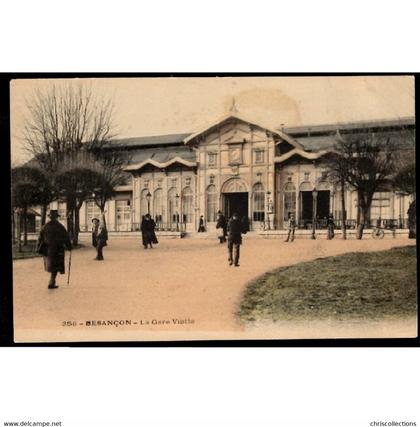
68	276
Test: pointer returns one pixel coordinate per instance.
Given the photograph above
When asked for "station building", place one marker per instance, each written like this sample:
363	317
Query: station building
236	164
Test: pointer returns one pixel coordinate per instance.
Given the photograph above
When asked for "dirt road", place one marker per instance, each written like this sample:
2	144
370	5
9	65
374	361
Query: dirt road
182	289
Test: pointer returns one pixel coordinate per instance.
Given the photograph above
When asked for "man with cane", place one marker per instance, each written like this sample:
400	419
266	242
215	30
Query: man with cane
52	243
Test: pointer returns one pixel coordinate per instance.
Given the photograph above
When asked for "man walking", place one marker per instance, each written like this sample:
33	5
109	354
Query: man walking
221	223
100	237
52	242
234	239
291	225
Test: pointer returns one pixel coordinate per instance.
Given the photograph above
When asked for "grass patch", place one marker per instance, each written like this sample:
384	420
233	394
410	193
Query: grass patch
355	285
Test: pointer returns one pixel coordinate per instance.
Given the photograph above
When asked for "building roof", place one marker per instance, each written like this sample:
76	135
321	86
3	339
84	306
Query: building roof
154	140
317	143
161	157
325	128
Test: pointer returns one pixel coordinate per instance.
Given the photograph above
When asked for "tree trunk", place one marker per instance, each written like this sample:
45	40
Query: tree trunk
358	212
364	212
412	219
69	219
44	208
76	226
103	216
343	211
25	227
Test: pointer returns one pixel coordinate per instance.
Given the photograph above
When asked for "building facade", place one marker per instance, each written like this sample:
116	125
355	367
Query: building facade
237	165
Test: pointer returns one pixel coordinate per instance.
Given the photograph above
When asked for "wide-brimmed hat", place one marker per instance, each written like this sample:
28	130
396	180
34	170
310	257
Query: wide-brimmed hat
54	213
95	219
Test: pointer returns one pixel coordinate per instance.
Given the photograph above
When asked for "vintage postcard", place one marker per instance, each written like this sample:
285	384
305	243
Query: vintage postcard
213	208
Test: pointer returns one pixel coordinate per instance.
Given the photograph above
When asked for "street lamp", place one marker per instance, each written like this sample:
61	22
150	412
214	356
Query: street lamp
314	203
177	215
148	197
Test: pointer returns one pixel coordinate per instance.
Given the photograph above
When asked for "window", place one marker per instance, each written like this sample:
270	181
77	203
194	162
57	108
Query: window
211	159
187	205
123	208
380	207
258	198
259	156
211	203
92	211
289	200
172	205
158	205
144	206
306	176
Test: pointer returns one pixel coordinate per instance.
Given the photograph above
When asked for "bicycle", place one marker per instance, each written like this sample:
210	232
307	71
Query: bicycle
378	233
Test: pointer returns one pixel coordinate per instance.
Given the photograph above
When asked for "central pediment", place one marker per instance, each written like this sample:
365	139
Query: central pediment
235	129
238	135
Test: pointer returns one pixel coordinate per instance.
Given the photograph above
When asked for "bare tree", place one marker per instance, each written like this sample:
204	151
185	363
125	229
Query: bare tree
64	121
404	179
365	160
30	186
336	165
108	163
76	182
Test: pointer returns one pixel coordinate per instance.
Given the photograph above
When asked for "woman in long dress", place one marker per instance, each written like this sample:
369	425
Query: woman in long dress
148	235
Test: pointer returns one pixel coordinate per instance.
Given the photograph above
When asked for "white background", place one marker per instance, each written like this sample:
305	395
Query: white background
209	387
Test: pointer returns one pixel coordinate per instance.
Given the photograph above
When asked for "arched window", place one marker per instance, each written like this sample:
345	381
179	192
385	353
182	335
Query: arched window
211	203
158	205
289	200
143	202
172	205
187	205
258	199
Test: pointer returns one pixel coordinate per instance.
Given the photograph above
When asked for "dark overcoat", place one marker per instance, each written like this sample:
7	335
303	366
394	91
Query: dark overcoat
53	241
148	232
235	231
102	235
221	223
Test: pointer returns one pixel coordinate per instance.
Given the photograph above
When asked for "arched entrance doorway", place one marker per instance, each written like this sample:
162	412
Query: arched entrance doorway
307	201
234	198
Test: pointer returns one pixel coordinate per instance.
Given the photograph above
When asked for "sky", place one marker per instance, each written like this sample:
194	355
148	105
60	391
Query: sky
157	106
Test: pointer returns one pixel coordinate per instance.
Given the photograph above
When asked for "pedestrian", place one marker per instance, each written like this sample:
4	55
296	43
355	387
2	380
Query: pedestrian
201	228
234	239
330	227
95	227
100	237
52	242
222	223
148	234
291	226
